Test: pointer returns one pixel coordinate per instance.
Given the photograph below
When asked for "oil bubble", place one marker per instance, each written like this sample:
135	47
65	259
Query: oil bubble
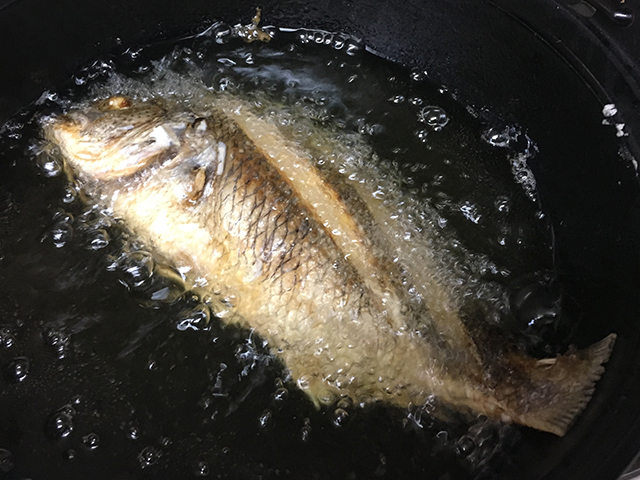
227	62
98	239
149	456
422	135
7	338
281	394
318	37
132	432
433	116
133	54
201	469
6	460
221	32
49	162
266	419
338	42
91	441
418	75
17	369
502	204
345	403
340	417
47	96
60	424
70	195
143	68
62	216
352	47
196	318
510	137
61	233
136	269
497	138
465	446
166	286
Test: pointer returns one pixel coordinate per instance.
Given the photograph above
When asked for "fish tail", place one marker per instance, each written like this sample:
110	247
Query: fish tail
558	389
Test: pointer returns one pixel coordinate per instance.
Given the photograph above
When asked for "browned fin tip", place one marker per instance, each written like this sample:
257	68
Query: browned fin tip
574	377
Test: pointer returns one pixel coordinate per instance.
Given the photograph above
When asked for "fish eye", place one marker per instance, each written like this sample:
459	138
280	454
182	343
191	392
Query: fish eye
114	103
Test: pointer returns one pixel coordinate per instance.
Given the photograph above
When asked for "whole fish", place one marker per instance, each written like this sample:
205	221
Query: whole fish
315	269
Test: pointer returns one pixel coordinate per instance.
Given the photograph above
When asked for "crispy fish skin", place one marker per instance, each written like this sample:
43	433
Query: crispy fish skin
224	195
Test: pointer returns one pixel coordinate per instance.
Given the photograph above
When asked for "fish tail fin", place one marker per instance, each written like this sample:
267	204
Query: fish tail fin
560	388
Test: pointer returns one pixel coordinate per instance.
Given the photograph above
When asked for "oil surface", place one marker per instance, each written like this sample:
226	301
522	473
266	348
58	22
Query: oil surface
106	379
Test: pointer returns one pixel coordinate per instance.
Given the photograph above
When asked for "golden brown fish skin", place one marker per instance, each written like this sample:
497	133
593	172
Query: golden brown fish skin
208	197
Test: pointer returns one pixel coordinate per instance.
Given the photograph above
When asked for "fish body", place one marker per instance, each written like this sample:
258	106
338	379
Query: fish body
224	196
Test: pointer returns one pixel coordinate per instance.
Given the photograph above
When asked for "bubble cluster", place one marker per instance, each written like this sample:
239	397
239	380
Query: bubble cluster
58	340
305	432
434	116
484	440
520	150
523	174
350	45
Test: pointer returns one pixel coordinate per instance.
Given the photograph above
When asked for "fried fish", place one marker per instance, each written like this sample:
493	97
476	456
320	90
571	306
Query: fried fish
222	194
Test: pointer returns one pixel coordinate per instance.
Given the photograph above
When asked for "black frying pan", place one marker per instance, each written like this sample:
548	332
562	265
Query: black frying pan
541	64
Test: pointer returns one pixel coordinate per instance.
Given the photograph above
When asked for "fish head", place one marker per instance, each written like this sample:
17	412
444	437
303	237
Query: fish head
116	137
